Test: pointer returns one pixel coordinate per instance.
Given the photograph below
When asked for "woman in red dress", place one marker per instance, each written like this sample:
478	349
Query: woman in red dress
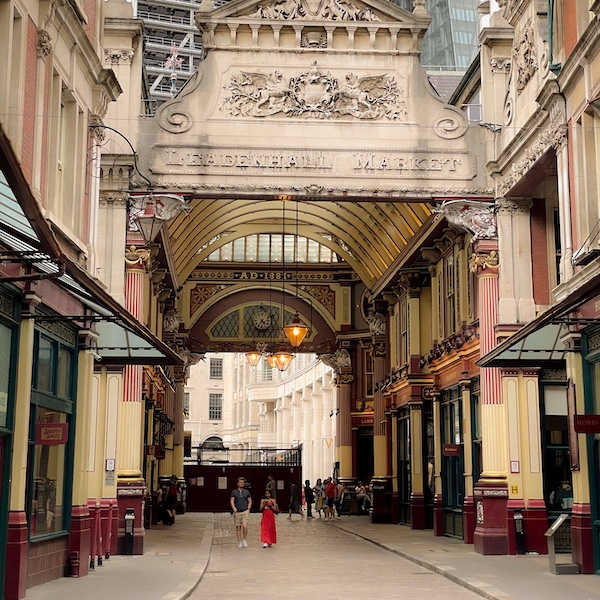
268	508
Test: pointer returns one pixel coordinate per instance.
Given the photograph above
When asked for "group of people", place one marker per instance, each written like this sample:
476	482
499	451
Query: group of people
327	497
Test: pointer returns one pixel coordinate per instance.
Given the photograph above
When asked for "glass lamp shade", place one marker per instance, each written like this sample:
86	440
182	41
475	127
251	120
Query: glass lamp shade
283	360
253	358
271	361
149	224
295	331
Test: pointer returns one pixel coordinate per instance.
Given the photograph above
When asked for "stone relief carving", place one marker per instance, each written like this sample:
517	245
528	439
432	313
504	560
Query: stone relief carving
524	57
44	43
118	56
336	10
376	323
500	65
339	359
314	94
450	126
477	217
201	293
313	39
171	320
171	116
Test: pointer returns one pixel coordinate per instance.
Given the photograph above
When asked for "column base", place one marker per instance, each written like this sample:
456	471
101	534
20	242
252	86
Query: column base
17	554
131	496
535	524
491	503
582	551
418	518
80	537
438	515
382	500
468	519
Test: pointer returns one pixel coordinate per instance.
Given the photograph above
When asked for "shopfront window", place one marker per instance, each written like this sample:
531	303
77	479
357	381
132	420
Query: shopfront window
47	507
50	464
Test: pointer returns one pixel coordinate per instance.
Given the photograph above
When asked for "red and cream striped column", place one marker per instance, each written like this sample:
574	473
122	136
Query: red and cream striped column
131	488
491	492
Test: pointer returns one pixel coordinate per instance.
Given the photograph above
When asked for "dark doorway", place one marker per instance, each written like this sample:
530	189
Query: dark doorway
364	455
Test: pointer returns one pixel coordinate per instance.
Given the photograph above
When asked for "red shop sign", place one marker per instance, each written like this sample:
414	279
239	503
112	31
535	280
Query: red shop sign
450	449
587	423
53	434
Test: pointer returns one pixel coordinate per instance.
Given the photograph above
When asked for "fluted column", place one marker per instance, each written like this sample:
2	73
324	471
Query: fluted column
131	410
564	207
491	492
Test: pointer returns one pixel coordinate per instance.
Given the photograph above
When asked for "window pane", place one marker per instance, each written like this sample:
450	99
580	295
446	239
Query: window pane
47	514
251	245
215	403
216	368
63	383
44	365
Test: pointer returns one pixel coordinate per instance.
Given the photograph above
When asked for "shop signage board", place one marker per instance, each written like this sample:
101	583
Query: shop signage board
587	423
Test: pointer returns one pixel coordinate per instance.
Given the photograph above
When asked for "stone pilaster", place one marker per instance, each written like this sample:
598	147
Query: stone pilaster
516	303
344	424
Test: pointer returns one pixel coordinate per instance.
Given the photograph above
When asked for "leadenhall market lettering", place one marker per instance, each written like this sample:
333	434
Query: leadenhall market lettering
429	164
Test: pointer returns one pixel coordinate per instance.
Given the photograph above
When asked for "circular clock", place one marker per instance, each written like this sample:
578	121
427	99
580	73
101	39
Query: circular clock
262	319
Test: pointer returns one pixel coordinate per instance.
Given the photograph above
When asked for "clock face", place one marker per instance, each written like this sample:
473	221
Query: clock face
262	320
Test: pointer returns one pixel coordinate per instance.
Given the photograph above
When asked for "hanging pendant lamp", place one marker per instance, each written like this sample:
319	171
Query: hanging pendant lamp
283	360
296	331
253	357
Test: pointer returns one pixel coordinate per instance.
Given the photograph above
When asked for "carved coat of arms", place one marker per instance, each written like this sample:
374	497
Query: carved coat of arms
314	94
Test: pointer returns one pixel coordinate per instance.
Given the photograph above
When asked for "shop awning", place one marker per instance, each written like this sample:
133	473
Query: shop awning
23	230
539	341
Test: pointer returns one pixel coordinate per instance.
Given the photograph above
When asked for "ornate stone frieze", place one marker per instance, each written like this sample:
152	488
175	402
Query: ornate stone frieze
171	320
44	43
500	65
112	197
314	94
118	55
323	294
381	192
477	217
524	57
482	262
339	359
7	306
201	293
376	323
335	10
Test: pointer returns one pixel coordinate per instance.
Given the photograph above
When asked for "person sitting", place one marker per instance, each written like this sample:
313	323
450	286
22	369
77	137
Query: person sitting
361	496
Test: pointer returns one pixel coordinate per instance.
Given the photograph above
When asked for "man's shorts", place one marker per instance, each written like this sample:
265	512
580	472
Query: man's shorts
330	502
241	518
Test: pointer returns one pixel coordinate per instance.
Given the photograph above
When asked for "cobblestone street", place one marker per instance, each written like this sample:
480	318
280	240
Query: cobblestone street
314	559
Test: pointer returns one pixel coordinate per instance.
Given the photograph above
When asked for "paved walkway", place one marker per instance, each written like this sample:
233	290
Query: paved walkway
347	557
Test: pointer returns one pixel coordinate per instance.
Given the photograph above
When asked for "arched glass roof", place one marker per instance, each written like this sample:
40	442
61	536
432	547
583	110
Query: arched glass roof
274	248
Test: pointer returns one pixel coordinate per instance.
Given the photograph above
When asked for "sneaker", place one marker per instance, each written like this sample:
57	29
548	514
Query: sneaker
270	545
266	545
240	545
244	544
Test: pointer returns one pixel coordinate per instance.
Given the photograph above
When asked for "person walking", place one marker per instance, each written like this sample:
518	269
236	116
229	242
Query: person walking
330	492
268	531
241	503
295	505
171	499
309	497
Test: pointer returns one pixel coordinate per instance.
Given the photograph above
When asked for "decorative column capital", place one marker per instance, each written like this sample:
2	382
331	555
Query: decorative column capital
513	205
44	43
135	256
484	263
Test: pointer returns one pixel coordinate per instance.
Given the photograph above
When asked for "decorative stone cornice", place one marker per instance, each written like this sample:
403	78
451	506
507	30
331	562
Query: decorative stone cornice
118	55
44	43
